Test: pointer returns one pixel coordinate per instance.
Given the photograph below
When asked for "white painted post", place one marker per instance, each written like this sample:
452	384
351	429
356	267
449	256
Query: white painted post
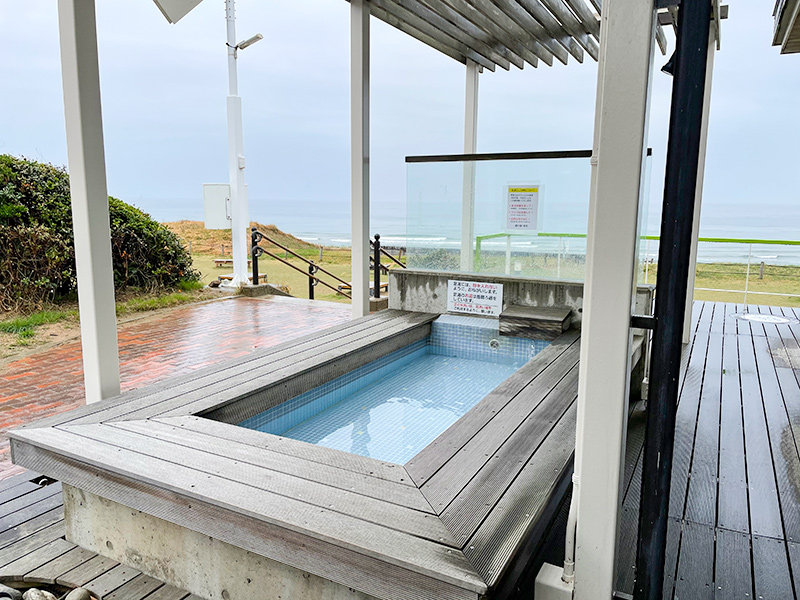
359	154
240	212
87	175
698	199
470	147
625	71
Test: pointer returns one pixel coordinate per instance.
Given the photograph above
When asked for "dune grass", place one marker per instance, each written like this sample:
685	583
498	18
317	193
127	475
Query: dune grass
25	327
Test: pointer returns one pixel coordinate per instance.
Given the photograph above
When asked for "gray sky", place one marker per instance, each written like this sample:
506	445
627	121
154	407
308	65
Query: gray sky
164	90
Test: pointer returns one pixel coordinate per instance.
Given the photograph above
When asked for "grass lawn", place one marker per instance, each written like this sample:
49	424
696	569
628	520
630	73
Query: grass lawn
730	276
334	260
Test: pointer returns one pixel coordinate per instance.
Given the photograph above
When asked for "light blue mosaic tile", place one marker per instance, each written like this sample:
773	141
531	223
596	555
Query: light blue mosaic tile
393	407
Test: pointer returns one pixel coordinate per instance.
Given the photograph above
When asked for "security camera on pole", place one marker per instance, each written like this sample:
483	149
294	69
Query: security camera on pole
240	214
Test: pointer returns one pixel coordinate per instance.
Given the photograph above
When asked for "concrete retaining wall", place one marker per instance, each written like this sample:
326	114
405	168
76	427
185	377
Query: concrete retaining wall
184	558
426	291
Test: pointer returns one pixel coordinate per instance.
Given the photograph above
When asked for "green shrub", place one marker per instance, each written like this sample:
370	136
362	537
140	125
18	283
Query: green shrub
37	255
438	260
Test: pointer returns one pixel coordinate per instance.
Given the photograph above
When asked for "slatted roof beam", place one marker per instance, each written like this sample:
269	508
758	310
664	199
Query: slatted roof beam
409	18
524	19
468	11
435	20
588	19
476	31
553	27
525	37
418	24
573	26
392	20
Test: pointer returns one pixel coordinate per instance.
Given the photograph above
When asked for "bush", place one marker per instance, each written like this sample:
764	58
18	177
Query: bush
37	260
438	260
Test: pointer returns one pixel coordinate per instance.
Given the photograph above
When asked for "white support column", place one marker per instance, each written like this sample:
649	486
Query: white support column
359	154
470	147
240	210
698	201
625	71
87	174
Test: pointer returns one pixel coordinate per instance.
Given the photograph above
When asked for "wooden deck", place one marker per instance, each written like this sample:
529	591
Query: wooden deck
446	525
33	549
735	498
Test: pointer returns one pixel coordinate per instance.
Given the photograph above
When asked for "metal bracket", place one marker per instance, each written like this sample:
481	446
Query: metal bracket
643	322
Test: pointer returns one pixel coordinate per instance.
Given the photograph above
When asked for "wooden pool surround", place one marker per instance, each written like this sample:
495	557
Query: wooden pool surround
455	522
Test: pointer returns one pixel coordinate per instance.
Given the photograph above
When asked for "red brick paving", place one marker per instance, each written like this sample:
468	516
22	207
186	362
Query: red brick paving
153	349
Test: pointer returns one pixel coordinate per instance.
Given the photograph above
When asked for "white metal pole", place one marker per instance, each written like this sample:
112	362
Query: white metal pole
698	201
470	147
747	276
80	77
359	149
508	255
618	165
240	213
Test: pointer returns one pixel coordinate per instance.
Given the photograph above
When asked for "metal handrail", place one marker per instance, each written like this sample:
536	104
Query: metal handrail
257	236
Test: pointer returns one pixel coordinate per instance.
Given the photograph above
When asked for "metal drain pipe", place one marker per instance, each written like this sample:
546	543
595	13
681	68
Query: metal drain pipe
683	151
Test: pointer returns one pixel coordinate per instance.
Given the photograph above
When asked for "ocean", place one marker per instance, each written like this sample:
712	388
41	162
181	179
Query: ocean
327	224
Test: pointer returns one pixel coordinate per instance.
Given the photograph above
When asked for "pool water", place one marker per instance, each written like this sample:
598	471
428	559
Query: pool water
393	407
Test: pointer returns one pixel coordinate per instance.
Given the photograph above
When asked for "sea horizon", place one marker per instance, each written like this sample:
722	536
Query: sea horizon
324	224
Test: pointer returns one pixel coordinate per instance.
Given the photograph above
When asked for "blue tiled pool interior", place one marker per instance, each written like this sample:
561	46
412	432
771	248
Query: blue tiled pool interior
393	407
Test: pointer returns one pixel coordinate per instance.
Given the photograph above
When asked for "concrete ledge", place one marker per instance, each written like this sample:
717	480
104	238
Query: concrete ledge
184	558
376	304
426	291
262	289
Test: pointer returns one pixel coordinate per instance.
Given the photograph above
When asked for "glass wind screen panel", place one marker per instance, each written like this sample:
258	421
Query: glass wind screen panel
550	242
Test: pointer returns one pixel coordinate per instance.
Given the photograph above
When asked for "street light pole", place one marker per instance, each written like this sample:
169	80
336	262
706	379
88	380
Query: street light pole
240	213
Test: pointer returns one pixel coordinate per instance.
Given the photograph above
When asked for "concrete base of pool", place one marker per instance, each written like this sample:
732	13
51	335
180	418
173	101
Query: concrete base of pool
187	559
164	480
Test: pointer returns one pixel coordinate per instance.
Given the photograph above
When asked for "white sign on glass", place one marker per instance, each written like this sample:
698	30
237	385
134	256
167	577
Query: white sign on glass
475	297
522	207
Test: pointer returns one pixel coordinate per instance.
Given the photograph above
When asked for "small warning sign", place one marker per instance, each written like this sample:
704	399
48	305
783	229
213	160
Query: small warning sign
474	297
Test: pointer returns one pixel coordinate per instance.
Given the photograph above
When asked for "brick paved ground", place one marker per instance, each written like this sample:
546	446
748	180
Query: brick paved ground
153	349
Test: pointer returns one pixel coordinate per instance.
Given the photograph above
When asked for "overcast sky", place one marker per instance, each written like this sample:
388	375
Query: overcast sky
164	87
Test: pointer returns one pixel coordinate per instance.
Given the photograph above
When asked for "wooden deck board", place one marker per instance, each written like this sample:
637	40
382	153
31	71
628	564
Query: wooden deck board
16	570
785	460
293	448
733	511
695	578
771	575
51	571
479	496
498	536
111	580
735	536
686	423
273	483
285	464
37	521
138	587
765	514
29	543
701	500
325	524
733	578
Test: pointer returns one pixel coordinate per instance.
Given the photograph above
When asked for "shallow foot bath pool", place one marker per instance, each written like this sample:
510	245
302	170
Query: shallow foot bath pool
392	408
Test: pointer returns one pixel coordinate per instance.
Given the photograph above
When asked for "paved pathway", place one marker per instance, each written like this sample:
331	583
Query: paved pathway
150	350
